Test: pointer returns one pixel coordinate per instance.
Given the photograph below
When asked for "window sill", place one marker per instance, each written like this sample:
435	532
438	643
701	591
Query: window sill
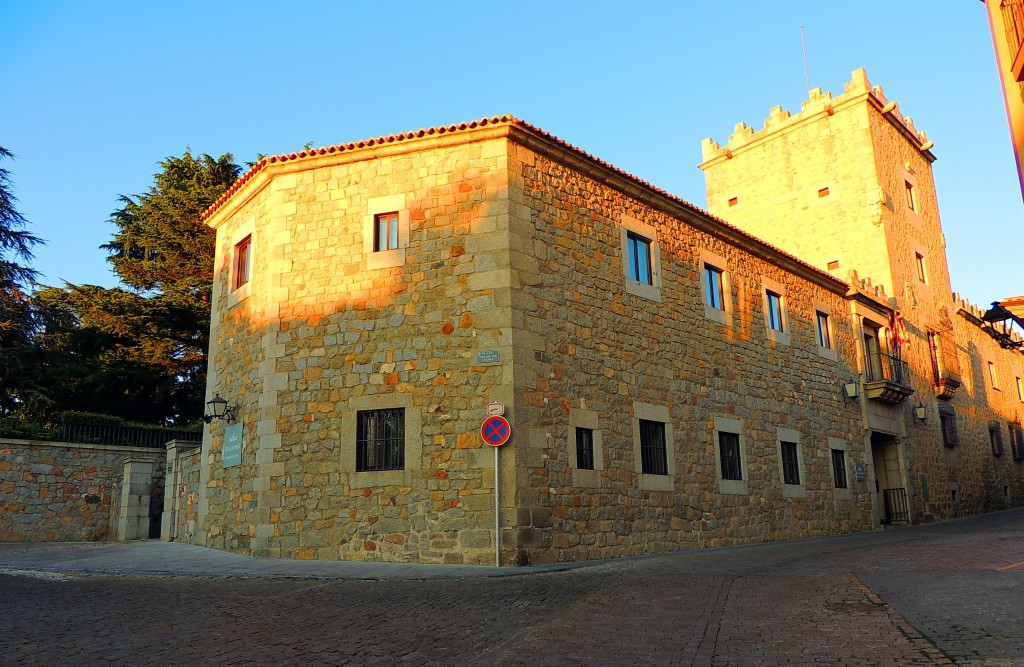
828	353
643	290
239	295
379	478
793	491
780	337
385	259
656	482
733	487
842	494
588	479
717	315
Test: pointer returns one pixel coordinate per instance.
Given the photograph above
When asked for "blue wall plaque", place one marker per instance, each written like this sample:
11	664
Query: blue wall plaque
233	445
488	357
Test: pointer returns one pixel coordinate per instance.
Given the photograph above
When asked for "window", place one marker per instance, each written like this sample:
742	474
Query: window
584	448
1020	390
822	193
653	453
824	333
790	463
947	420
380	440
995	438
714	291
774	311
919	263
993	376
911	197
243	260
729	453
839	468
833	265
1016	440
733	201
639	257
385	231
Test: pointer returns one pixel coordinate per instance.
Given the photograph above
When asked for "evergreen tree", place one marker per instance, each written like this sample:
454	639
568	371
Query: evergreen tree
140	351
19	382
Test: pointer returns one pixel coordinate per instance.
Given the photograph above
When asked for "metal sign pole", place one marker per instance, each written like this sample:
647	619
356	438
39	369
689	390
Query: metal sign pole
497	510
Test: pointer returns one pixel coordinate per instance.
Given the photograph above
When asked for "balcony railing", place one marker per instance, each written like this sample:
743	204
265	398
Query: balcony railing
888	378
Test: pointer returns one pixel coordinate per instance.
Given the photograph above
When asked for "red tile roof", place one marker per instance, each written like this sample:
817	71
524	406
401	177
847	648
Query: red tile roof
507	119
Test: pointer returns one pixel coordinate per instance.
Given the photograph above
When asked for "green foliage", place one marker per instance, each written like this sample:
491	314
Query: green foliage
13	427
19	368
140	351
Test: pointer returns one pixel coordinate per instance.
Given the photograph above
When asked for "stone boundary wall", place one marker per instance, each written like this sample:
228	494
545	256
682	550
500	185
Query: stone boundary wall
181	515
65	492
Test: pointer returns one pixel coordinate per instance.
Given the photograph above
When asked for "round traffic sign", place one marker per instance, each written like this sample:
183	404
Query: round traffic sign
496	431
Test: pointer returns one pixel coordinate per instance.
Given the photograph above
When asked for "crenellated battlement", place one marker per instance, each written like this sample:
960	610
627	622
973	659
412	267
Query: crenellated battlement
864	287
819	102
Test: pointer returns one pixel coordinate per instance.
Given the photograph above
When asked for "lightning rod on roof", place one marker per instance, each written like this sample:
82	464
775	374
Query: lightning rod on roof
803	45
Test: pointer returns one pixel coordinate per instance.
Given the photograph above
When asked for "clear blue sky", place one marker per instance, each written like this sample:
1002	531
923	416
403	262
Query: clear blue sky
96	93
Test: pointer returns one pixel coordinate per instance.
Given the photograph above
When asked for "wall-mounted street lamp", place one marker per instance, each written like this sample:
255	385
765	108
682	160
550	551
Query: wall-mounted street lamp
921	412
218	408
1000	323
851	390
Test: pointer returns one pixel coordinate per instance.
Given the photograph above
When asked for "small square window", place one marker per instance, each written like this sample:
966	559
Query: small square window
733	201
993	376
822	193
729	451
243	261
584	448
715	291
824	333
653	451
833	265
839	468
639	251
911	197
380	440
790	463
385	231
922	274
775	311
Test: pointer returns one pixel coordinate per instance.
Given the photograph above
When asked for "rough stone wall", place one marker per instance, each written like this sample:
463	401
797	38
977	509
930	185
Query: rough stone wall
61	492
777	175
584	343
186	499
324	334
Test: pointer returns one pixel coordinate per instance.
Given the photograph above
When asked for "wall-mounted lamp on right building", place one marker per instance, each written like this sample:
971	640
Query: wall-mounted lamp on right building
851	390
218	408
921	412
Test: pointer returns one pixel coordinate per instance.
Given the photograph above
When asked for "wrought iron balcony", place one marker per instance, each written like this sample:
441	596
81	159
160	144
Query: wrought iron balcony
888	378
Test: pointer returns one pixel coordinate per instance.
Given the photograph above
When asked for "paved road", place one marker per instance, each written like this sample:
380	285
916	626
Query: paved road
950	593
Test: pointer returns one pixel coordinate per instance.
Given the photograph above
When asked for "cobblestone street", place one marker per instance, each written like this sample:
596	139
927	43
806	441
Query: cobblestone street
943	594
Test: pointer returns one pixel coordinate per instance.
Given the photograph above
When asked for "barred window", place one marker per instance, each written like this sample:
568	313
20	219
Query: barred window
653	452
584	448
729	450
947	420
790	463
839	468
1016	440
995	438
380	440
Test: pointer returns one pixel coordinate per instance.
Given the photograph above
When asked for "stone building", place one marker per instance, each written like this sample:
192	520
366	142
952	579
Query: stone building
1006	22
672	381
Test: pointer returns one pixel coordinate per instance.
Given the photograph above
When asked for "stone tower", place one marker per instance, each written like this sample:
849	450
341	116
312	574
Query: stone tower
844	184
